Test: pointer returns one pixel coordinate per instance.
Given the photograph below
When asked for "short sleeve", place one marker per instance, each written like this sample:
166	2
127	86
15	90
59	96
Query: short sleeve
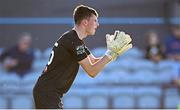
80	52
75	46
87	51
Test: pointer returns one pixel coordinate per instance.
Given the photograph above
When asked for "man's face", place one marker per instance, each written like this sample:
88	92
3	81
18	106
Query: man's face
92	24
24	43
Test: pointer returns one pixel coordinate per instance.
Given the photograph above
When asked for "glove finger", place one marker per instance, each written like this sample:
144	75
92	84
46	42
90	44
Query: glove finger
127	38
116	33
123	41
107	37
112	38
125	48
121	34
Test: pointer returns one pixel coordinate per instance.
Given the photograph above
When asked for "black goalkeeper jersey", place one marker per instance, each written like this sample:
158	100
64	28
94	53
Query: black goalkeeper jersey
63	64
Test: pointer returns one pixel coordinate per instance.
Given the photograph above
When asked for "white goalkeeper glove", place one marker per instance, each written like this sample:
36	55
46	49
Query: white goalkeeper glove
117	44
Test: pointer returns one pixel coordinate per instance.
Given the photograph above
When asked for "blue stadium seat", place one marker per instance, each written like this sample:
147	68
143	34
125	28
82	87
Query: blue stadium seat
123	64
3	103
123	98
83	79
3	74
167	66
172	98
81	70
148	101
47	53
73	102
171	101
22	102
144	77
111	66
152	90
144	65
31	77
100	78
11	78
10	82
74	99
38	53
134	53
29	81
97	98
39	64
2	70
123	102
172	91
116	77
164	77
148	97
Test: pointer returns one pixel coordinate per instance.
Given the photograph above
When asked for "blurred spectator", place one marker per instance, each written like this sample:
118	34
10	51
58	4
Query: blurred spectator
172	43
154	49
18	58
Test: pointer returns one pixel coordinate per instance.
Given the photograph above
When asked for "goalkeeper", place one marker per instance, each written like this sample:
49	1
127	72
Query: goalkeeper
69	52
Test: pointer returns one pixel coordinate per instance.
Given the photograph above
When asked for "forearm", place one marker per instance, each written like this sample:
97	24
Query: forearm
94	68
96	60
99	65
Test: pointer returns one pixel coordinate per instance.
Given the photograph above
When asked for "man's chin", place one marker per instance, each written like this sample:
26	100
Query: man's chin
93	33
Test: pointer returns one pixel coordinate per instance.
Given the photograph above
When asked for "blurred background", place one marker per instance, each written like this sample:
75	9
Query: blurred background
147	76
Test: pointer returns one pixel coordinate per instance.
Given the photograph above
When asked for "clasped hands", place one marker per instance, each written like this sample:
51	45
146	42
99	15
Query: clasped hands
117	44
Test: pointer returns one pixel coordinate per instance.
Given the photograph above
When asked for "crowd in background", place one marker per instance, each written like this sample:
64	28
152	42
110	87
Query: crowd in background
19	58
157	50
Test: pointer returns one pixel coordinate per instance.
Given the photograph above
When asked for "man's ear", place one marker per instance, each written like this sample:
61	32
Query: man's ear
85	22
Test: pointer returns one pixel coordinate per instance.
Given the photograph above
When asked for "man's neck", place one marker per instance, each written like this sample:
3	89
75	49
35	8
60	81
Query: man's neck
80	32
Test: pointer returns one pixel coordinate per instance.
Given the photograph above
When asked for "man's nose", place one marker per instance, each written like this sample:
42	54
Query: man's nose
97	24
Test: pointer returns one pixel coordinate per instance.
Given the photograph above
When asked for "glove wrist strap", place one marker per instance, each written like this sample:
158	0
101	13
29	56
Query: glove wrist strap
111	55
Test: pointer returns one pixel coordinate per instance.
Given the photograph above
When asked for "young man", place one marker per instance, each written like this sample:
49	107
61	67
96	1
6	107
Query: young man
69	52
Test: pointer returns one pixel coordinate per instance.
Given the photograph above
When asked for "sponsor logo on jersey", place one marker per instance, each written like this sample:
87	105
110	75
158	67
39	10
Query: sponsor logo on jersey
80	49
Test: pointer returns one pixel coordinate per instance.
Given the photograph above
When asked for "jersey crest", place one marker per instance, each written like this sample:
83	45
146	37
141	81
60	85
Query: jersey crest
80	49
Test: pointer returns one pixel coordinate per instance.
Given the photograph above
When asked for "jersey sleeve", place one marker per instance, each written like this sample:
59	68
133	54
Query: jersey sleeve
87	51
75	47
80	52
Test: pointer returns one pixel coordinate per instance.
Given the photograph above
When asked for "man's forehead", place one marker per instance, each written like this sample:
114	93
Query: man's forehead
93	17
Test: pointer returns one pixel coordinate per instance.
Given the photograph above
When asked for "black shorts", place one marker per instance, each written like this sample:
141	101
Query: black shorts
45	99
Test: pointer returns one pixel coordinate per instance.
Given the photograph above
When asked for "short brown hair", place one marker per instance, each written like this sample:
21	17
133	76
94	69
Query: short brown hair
82	12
